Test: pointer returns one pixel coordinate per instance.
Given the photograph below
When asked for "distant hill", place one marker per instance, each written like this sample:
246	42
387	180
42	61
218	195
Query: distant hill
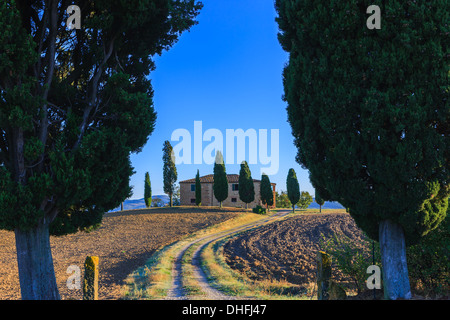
140	203
326	205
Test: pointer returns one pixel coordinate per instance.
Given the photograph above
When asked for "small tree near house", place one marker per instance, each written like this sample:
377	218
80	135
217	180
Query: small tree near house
305	200
220	186
198	189
266	192
246	185
293	188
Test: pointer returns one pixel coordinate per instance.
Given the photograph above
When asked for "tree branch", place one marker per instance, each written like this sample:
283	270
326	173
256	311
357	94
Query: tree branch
92	93
50	57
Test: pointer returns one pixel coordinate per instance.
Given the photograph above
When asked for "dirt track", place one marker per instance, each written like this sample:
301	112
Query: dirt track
208	292
123	243
286	250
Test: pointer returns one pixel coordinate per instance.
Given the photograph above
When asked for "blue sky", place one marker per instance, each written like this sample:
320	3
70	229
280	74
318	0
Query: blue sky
226	72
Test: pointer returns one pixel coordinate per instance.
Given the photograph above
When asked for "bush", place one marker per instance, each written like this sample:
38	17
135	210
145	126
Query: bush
429	261
352	257
259	210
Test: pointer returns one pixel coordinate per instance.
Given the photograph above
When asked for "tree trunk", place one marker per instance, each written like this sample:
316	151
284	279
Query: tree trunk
170	203
293	208
34	258
320	210
393	259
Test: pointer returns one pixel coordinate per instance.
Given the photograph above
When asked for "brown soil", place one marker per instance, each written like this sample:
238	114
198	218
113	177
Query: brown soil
123	243
287	250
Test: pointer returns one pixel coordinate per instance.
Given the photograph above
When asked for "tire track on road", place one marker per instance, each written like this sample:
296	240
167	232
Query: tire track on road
177	292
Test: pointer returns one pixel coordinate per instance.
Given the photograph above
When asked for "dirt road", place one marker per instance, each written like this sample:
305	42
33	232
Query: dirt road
205	290
123	243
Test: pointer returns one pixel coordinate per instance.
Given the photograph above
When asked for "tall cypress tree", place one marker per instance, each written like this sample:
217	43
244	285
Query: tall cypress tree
370	116
293	188
147	191
220	185
198	189
266	191
169	171
74	104
246	185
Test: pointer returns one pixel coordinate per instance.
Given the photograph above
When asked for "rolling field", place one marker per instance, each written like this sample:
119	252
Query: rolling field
123	243
286	250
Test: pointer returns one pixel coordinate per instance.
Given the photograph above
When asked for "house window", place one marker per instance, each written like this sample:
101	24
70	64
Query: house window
192	200
192	187
235	187
233	199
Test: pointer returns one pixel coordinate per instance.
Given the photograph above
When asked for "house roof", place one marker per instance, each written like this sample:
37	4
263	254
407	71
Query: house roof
232	178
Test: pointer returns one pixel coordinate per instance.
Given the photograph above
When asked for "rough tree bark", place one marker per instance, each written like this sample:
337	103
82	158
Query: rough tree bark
34	257
393	259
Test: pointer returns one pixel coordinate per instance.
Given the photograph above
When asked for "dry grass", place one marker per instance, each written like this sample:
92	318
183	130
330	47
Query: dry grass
155	283
236	284
124	242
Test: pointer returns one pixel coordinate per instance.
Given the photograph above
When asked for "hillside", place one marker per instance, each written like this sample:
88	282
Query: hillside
140	204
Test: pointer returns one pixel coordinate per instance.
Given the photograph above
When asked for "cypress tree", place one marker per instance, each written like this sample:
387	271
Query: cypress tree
369	113
293	188
198	189
220	185
266	191
147	191
246	185
74	104
169	171
319	201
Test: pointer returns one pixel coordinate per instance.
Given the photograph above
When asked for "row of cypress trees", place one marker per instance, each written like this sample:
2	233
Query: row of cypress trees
220	186
246	186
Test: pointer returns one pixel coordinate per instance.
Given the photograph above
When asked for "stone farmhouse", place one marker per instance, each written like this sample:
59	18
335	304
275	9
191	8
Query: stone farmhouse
187	192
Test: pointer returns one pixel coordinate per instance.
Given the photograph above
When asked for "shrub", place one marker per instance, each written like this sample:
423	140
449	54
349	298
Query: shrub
351	257
429	261
259	210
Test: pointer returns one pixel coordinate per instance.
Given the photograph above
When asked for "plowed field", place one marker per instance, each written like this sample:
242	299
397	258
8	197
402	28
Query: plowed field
287	249
123	243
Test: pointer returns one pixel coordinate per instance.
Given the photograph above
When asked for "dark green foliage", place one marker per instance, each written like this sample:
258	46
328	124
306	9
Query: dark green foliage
293	188
198	189
75	104
169	170
305	200
369	108
220	185
147	191
259	210
429	261
266	191
319	200
246	185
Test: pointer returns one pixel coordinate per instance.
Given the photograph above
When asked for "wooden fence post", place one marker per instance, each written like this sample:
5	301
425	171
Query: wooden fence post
90	286
323	275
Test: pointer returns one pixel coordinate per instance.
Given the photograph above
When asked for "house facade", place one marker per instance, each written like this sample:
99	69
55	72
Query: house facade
187	192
